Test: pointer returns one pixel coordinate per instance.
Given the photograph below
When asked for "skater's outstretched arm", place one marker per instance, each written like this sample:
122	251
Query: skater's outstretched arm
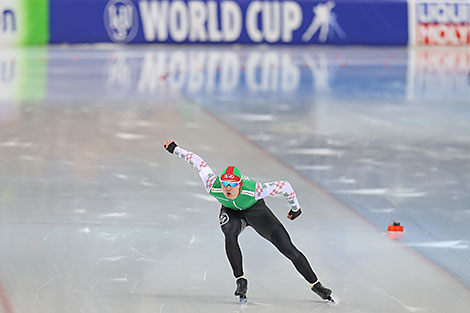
205	172
264	190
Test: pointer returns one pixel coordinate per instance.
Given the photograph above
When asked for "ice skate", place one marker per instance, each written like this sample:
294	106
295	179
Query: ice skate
323	292
242	287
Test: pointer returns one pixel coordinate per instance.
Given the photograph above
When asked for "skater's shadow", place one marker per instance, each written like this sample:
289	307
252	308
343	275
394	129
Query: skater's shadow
220	303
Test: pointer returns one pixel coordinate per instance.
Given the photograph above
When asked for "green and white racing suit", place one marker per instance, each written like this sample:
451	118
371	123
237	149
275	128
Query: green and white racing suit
251	191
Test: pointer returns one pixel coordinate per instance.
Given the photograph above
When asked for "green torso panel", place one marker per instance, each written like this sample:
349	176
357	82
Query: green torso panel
245	199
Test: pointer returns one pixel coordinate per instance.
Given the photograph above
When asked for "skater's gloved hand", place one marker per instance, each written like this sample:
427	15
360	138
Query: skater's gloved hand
170	146
292	215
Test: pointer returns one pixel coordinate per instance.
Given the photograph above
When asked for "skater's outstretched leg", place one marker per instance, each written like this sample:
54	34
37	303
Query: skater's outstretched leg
271	229
281	239
265	223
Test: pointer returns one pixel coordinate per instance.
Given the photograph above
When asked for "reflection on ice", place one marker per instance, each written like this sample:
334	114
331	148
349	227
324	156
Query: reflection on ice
455	244
114	214
129	136
400	193
313	167
318	151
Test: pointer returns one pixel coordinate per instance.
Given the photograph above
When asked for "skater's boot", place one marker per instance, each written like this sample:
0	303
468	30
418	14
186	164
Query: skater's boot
242	287
323	292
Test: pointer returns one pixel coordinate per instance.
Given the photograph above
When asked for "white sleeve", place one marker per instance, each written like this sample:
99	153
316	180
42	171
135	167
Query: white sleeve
264	190
205	172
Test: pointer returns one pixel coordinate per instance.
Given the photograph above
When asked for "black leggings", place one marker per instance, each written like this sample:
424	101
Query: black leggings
260	217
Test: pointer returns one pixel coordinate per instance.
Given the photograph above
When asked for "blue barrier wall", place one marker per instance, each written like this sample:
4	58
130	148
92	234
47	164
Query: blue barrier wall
378	22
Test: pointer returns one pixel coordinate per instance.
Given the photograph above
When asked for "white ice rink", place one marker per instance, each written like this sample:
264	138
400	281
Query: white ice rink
95	216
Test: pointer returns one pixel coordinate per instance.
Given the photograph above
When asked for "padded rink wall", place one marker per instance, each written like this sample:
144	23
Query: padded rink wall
378	22
301	22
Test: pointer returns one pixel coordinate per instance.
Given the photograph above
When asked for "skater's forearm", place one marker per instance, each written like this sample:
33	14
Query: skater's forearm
205	172
264	190
190	157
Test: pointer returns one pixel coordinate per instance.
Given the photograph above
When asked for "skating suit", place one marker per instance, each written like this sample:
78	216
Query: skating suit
251	191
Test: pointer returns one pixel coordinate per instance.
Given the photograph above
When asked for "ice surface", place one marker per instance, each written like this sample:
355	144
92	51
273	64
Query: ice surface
97	217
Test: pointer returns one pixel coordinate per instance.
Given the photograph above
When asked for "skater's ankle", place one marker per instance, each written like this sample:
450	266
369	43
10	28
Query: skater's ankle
317	281
237	278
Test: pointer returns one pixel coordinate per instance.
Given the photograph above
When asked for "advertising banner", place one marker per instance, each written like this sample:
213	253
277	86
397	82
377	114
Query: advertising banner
380	22
24	22
439	22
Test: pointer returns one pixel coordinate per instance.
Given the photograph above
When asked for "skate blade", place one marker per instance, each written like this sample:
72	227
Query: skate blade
243	300
331	300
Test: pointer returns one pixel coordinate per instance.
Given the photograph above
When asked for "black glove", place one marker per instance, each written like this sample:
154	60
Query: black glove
171	147
292	215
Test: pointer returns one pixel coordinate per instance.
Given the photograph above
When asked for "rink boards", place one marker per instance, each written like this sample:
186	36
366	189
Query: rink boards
344	22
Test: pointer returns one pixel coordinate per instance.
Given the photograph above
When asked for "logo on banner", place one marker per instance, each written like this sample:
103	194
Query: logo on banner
442	23
121	20
325	21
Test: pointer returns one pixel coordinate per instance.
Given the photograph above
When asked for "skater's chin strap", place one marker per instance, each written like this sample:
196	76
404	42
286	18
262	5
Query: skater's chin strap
315	282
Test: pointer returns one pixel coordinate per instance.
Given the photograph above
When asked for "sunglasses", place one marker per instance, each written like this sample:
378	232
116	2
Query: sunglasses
231	183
